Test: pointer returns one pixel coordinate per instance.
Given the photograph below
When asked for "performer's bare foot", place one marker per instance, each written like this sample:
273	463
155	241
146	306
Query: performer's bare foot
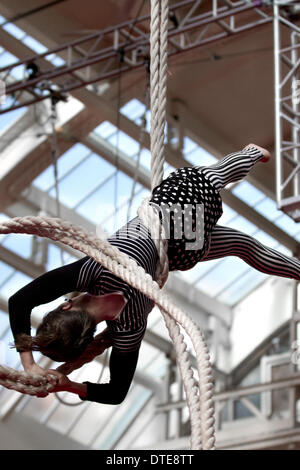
265	152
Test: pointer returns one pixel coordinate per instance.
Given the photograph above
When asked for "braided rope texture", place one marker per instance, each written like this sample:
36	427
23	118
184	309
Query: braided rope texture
24	382
199	398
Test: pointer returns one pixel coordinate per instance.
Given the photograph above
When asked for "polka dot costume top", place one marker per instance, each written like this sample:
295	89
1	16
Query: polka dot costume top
193	206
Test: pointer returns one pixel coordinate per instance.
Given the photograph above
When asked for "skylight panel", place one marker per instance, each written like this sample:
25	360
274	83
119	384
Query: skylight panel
137	399
145	159
8	118
100	204
243	225
137	202
124	186
226	271
3	326
287	224
248	193
5	272
82	180
242	287
65	164
71	158
133	109
268	209
125	143
188	145
31	42
200	157
198	271
19	244
55	60
120	217
168	169
283	249
148	123
228	214
105	129
6	58
45	180
34	45
12	358
55	257
18	72
16	282
14	30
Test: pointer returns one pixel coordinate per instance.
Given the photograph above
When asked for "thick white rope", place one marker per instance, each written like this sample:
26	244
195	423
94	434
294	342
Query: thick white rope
24	382
201	423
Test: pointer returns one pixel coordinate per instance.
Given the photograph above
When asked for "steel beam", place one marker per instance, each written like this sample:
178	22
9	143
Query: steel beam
24	160
293	381
20	264
128	47
122	161
287	112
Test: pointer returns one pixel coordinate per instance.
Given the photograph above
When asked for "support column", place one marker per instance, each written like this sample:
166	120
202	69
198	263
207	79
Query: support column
287	99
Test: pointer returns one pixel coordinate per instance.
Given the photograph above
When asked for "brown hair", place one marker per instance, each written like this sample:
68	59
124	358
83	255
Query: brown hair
63	335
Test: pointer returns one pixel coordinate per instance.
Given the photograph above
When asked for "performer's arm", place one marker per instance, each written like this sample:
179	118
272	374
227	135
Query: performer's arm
122	367
44	289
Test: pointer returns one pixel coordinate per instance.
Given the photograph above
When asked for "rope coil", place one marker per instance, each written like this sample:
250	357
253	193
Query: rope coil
128	270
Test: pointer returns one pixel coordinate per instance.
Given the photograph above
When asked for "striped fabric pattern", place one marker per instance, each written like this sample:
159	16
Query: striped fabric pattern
227	241
233	167
128	330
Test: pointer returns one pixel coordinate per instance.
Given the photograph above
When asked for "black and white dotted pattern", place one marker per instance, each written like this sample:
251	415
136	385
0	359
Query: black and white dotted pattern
188	187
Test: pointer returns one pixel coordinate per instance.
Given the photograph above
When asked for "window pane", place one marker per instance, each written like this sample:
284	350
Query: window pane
87	176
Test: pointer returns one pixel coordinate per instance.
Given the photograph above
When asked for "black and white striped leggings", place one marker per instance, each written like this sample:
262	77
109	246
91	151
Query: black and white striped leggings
226	241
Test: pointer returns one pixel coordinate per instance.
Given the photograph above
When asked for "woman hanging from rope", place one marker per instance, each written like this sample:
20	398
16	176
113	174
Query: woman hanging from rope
66	331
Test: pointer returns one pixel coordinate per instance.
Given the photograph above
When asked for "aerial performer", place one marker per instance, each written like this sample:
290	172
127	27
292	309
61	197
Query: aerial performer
64	333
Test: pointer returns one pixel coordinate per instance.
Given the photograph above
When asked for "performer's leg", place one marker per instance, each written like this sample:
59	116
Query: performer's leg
234	166
226	241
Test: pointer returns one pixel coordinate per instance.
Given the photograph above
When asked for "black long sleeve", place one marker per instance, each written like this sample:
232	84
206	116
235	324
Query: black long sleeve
50	286
44	289
122	367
